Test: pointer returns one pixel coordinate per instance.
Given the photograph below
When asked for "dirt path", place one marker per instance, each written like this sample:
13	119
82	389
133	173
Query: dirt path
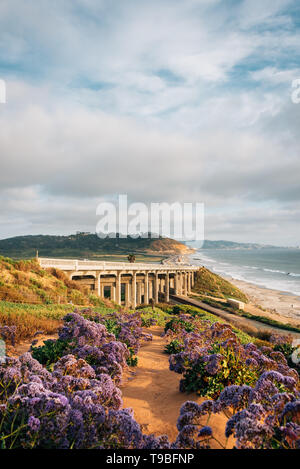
233	319
151	390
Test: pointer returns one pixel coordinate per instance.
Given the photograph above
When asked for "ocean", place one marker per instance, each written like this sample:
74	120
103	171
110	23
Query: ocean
277	269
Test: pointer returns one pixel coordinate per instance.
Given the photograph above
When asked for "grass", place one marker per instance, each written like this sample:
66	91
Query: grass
208	283
243	336
159	315
269	321
26	282
255	317
30	319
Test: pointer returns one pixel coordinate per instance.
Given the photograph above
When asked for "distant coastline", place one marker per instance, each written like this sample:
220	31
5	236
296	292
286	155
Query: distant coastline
271	278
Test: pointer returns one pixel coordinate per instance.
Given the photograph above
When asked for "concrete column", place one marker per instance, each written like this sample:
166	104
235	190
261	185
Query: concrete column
113	292
156	288
98	285
150	289
188	283
167	292
180	283
176	283
118	288
133	291
146	290
127	295
139	293
184	284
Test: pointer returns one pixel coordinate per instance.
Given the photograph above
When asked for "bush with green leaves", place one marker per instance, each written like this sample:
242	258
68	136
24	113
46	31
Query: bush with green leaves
215	359
209	375
181	323
50	352
175	346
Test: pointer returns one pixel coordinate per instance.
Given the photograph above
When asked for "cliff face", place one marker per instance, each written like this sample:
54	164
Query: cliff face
167	245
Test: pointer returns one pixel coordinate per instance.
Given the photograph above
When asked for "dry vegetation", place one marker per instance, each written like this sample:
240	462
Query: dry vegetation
26	282
35	300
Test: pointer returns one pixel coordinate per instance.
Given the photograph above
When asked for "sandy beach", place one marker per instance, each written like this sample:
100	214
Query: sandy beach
275	304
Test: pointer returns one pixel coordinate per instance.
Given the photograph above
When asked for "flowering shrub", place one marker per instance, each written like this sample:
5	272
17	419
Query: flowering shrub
253	386
94	339
76	401
127	328
263	417
214	358
77	404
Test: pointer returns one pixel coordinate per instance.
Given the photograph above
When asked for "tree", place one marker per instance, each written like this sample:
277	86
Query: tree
131	258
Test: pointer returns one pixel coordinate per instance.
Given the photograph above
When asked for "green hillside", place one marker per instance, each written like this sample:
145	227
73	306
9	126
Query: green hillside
84	245
26	282
208	283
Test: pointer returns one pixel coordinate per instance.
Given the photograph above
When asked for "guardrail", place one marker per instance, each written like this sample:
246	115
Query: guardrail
74	264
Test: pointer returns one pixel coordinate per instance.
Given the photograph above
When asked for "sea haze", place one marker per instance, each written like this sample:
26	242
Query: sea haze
278	269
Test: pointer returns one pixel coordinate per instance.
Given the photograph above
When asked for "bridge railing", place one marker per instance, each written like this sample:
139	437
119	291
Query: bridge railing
74	264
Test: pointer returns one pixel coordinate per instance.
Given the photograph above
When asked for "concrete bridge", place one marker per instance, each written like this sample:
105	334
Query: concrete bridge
128	284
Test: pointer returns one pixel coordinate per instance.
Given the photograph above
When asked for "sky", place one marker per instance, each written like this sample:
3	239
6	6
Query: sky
162	100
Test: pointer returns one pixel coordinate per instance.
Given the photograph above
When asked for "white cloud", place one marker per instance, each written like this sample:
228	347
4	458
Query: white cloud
275	75
151	99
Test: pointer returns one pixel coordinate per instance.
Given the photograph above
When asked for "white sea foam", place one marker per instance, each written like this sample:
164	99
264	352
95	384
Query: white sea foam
272	278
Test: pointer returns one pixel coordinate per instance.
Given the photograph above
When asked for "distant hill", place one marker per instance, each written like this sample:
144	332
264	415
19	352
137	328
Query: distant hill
86	245
229	245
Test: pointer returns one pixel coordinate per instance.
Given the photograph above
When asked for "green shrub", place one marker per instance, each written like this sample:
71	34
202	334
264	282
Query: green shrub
175	346
133	359
50	352
177	324
232	370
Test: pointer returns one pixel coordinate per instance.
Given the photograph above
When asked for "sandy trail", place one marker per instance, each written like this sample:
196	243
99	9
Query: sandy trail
151	390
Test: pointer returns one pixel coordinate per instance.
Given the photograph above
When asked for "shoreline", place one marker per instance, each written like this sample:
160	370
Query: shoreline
273	302
276	304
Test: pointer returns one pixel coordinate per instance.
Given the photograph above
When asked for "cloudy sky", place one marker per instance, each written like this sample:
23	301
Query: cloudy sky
163	100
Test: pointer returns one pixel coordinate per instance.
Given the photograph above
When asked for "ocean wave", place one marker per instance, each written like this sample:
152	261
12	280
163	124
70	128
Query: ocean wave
275	271
281	280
